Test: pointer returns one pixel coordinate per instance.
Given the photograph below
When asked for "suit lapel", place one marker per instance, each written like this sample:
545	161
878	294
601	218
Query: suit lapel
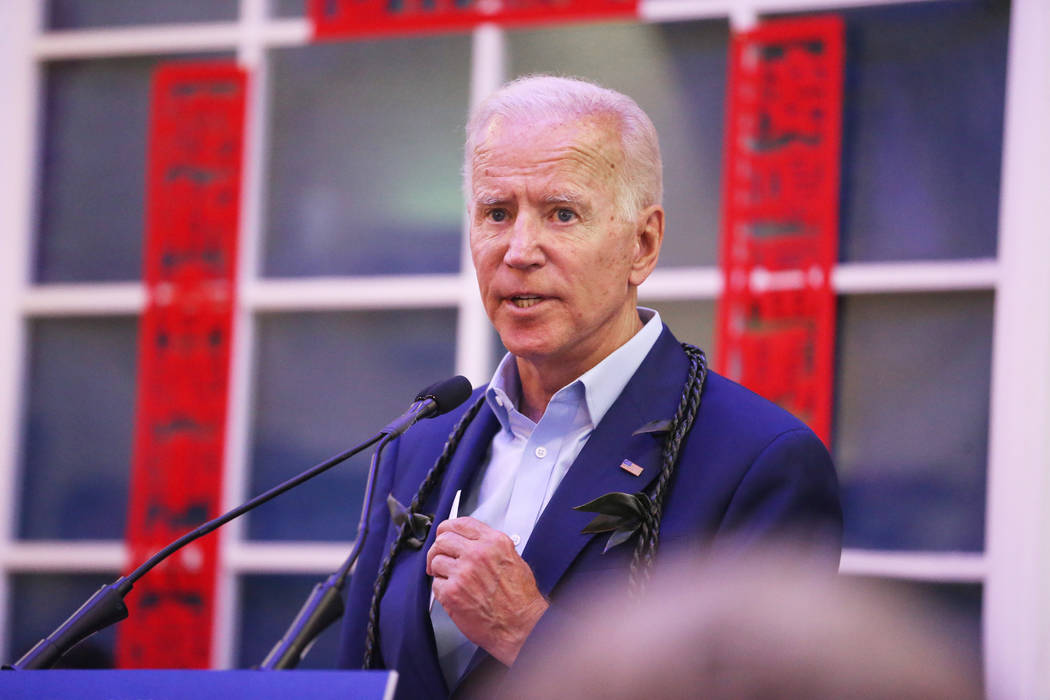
652	394
466	461
409	589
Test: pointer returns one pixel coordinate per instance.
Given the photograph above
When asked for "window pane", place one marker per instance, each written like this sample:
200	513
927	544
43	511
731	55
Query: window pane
76	454
677	74
326	381
268	605
40	602
288	8
366	141
955	608
93	184
79	14
923	124
691	322
911	419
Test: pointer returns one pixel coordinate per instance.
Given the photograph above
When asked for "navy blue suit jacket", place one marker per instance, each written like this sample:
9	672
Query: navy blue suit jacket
748	472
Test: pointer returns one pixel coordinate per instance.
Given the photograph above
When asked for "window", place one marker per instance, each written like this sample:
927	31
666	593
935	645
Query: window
354	291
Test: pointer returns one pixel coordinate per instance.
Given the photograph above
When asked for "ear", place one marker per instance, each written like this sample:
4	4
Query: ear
648	238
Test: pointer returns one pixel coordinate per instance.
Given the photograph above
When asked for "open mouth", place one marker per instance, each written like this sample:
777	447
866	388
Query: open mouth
525	301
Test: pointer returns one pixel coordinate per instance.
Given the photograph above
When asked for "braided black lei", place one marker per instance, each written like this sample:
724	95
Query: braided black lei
648	539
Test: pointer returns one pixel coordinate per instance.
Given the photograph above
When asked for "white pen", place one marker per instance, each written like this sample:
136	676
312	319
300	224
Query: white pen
452	513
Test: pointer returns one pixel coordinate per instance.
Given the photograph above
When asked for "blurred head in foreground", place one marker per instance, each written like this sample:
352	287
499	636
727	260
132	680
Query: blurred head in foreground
761	627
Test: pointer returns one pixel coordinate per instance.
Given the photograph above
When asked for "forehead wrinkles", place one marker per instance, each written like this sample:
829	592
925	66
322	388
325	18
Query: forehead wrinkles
583	151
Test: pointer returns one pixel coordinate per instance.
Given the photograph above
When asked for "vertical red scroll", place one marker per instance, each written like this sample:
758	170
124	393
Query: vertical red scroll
192	213
356	18
776	327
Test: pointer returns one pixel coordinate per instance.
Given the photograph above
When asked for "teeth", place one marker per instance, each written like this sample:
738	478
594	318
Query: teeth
525	302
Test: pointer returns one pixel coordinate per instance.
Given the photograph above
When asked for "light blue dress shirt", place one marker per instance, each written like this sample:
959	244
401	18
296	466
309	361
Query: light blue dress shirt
528	460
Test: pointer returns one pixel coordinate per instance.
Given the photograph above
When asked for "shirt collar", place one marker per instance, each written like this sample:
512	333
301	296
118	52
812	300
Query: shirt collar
602	384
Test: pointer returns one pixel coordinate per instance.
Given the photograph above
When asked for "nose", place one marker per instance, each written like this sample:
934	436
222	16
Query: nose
524	249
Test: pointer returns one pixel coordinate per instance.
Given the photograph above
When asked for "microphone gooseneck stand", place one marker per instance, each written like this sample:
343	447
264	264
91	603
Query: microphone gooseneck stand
106	607
325	602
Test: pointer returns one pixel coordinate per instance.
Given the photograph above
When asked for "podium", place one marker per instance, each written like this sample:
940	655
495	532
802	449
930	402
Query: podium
200	685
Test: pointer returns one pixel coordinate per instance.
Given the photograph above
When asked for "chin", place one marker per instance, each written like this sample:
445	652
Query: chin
527	348
525	351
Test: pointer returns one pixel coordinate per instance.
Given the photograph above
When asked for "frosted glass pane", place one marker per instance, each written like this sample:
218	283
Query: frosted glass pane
268	604
911	419
93	187
365	148
691	322
79	14
956	609
923	125
324	382
677	74
38	605
76	451
288	8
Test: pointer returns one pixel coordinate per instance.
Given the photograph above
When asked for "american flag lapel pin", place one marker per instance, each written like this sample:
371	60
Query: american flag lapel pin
631	468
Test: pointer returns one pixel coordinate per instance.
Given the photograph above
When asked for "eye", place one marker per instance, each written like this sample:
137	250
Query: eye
565	215
498	215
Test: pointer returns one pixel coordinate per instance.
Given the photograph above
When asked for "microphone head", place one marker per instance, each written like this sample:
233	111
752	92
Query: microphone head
446	394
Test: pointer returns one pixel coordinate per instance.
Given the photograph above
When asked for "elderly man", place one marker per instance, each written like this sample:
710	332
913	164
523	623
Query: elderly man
595	405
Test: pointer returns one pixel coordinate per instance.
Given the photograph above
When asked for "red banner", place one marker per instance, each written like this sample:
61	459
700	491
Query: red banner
776	327
192	212
337	19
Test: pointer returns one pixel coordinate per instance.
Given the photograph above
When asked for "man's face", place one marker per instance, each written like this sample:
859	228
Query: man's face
556	264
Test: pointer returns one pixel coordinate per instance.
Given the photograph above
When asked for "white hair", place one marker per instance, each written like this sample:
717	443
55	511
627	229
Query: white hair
538	98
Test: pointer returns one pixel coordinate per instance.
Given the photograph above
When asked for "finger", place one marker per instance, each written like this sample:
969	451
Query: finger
438	587
468	527
449	544
441	566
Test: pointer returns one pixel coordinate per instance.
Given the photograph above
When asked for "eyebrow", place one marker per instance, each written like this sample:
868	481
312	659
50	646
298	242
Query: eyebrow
576	200
487	200
567	198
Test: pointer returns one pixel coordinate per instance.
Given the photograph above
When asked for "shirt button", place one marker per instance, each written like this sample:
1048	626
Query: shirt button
541	452
516	539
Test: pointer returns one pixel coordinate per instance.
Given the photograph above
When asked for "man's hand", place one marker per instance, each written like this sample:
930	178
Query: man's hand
485	586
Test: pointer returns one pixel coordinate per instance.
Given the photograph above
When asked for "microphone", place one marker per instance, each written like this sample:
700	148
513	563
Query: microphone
325	605
439	397
106	607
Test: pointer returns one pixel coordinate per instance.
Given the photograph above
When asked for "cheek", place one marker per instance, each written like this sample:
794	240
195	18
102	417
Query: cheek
610	272
611	259
482	254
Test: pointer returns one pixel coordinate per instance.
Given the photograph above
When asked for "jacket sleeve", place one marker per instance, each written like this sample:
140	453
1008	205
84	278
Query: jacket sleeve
788	493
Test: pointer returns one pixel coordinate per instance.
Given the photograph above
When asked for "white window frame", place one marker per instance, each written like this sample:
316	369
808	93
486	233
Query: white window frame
1015	566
